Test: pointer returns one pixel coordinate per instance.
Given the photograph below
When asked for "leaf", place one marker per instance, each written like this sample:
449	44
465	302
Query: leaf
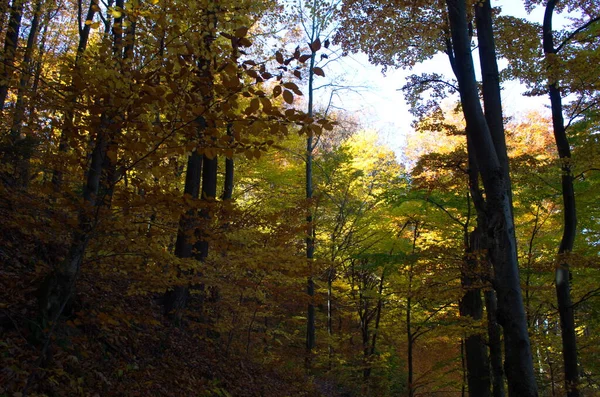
315	45
244	42
288	96
290	85
115	13
254	105
241	32
298	74
279	57
318	72
277	91
304	58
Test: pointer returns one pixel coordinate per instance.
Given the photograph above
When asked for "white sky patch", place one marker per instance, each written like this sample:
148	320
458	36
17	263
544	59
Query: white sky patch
376	100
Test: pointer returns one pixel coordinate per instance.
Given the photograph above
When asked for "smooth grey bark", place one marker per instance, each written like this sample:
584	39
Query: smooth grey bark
11	41
490	80
492	102
478	247
500	227
563	274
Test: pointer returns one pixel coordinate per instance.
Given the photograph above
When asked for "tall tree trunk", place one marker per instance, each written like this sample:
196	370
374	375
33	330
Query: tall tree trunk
503	250
376	327
175	300
69	113
410	337
471	305
11	42
563	275
60	285
310	230
23	146
494	343
189	244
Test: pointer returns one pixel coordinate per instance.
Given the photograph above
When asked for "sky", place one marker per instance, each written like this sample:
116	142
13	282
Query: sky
375	99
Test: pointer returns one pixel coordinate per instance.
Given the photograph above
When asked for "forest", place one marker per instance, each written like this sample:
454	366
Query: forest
185	211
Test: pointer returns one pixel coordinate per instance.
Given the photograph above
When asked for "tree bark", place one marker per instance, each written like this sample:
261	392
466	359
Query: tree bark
189	244
563	274
471	305
229	170
494	343
503	251
310	231
11	42
175	299
68	120
23	146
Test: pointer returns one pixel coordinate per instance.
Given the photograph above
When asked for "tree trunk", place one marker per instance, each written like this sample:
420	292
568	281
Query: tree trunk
563	275
471	305
23	146
229	169
60	285
310	231
175	300
494	343
11	42
503	250
68	120
188	243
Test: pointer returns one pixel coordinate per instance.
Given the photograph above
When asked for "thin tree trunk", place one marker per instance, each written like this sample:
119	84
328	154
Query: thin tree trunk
68	120
24	145
330	273
503	250
563	275
229	169
376	328
310	232
11	42
60	285
410	338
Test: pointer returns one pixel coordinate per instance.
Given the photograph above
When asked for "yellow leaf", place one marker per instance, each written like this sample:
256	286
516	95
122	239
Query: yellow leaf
115	13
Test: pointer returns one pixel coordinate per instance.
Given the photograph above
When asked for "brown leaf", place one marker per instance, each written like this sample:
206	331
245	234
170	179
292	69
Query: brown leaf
288	96
315	45
319	72
279	57
241	32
